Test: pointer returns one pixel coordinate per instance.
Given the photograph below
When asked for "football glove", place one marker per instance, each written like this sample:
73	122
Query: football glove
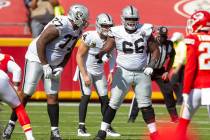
47	71
105	58
148	71
16	88
185	98
57	72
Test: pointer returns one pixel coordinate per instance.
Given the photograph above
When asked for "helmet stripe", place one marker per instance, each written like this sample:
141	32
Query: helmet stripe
108	17
131	10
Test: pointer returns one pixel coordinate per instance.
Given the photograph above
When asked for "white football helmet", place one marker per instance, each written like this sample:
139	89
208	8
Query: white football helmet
130	18
79	15
103	23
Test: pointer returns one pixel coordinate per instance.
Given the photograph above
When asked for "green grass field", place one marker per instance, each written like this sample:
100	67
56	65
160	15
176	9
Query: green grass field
69	121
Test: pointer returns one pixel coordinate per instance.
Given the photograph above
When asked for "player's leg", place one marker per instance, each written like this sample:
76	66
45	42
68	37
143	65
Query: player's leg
100	85
170	102
85	97
134	110
189	107
143	93
52	87
119	89
32	74
9	95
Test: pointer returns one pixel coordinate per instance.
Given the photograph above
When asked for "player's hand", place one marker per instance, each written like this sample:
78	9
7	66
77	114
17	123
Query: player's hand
87	80
57	72
165	76
185	99
110	78
16	87
47	71
105	58
99	57
148	71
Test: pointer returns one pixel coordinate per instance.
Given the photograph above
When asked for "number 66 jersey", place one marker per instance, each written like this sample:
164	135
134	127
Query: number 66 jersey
197	69
131	48
60	46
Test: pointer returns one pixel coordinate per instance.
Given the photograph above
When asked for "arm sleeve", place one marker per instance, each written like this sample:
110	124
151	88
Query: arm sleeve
190	68
15	70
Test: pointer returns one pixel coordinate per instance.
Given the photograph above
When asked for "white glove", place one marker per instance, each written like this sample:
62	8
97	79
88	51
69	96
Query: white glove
148	71
185	98
47	71
16	88
105	58
57	72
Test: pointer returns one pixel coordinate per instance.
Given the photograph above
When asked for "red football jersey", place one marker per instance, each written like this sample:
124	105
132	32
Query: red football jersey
197	68
4	58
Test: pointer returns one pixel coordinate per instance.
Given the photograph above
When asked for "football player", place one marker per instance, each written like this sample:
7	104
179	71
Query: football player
197	69
8	94
46	57
160	75
92	70
132	41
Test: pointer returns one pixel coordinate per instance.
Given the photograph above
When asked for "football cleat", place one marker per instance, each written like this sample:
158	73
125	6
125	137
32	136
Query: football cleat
8	131
131	120
55	135
112	133
101	135
83	133
32	138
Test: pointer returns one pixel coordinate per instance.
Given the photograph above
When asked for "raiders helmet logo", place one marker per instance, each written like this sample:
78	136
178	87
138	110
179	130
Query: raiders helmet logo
79	14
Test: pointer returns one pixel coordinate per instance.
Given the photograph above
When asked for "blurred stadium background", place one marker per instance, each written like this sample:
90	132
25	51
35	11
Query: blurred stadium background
15	37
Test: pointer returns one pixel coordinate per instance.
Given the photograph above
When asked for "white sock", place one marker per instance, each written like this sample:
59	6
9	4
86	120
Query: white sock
104	126
81	123
152	127
29	135
12	122
53	128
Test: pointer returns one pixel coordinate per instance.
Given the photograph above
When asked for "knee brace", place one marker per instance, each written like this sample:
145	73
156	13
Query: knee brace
148	114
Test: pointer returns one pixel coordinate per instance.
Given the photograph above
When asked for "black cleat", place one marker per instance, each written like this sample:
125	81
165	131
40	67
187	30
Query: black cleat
82	131
112	133
8	131
55	135
131	120
101	135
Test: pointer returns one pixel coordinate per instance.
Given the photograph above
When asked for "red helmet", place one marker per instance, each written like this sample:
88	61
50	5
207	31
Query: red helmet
199	21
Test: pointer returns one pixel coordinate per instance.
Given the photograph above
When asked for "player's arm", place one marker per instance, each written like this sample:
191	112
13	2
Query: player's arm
171	57
16	73
48	35
190	67
108	47
81	53
154	50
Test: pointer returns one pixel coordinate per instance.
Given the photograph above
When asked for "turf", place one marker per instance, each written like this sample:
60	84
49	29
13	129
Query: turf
69	121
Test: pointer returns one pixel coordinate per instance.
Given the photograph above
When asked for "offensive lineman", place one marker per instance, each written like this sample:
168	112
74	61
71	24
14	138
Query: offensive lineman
9	95
160	75
132	41
92	70
196	90
46	57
